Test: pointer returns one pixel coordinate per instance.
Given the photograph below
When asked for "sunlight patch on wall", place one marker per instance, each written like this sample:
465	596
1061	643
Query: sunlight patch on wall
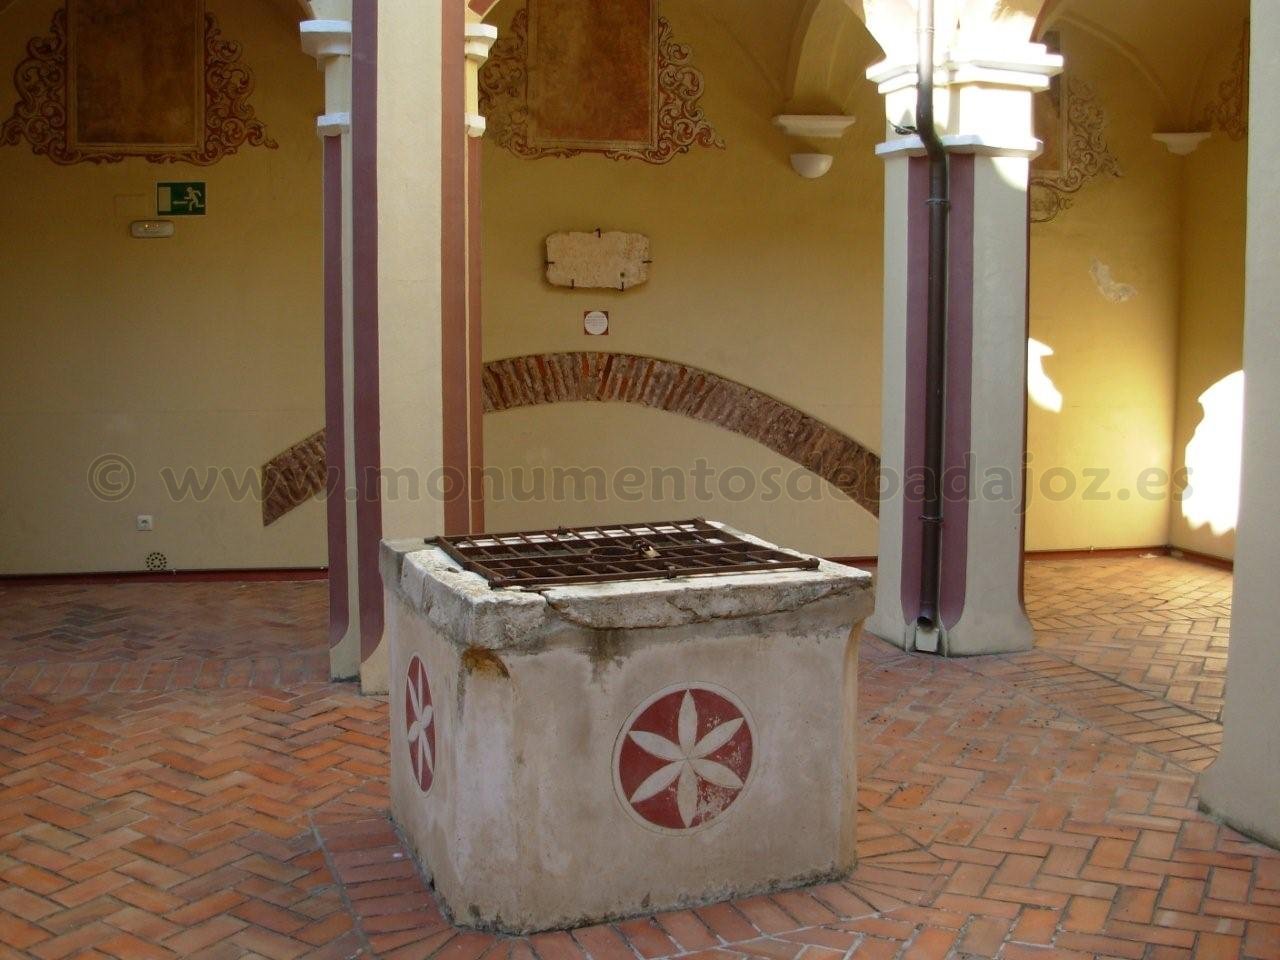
1041	388
1213	454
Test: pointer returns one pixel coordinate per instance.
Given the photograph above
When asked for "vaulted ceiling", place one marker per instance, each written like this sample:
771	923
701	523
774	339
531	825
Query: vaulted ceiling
1170	42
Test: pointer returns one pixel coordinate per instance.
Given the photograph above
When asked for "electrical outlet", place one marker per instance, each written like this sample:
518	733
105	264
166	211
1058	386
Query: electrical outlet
146	523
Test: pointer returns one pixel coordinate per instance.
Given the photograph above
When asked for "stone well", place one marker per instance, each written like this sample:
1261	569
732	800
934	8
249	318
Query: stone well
598	750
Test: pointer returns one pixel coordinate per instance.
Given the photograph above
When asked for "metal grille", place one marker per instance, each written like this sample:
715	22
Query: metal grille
622	551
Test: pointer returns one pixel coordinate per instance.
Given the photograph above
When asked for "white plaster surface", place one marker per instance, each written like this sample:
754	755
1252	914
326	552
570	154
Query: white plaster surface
524	827
1243	785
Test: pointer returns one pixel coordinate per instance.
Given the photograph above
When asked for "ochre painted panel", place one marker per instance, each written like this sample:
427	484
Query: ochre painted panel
591	72
135	78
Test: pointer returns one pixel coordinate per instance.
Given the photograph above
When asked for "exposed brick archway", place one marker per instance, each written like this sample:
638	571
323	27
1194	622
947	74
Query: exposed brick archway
691	392
296	475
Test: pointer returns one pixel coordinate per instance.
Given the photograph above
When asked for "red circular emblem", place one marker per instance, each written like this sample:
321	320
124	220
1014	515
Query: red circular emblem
683	757
419	724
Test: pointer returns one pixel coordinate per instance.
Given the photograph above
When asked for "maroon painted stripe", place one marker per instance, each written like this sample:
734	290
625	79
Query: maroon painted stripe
958	427
1026	337
367	442
453	272
475	343
335	439
913	441
958	437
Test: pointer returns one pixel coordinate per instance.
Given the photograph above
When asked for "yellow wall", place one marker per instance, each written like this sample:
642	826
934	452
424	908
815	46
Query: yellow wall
776	282
749	486
758	275
1114	362
1211	329
201	351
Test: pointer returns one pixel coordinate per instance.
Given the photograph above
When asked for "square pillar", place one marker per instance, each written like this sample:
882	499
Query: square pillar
985	116
1243	786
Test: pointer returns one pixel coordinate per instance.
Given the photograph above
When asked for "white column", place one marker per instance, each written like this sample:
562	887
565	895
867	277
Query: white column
984	109
409	277
1243	786
480	38
328	39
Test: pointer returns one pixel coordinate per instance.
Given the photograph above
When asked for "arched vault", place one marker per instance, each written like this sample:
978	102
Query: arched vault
830	51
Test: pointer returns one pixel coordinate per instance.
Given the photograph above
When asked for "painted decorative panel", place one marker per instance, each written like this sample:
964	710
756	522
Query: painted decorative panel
579	76
1228	110
1076	149
134	75
594	79
613	260
71	110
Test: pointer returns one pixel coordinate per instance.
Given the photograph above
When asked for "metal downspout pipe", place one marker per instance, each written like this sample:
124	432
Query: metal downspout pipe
928	627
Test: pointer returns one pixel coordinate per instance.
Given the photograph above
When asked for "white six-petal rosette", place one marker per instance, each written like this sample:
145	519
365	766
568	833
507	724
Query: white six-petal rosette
419	718
692	775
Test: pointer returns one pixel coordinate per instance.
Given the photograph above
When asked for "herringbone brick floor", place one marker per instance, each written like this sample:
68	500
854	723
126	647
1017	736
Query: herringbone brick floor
1156	624
80	638
1030	807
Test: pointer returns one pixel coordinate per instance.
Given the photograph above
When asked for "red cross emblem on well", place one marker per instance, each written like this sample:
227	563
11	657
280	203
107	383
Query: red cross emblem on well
420	725
684	757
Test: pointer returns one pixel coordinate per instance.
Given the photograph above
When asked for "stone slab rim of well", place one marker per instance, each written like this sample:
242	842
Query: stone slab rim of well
472	613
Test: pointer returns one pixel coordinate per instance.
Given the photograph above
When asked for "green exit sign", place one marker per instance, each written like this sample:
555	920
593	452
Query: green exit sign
183	199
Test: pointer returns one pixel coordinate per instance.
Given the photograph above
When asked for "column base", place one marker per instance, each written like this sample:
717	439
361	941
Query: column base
978	633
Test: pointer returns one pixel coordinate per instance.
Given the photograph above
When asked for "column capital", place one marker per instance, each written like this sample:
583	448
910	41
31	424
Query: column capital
326	38
329	41
982	99
1029	67
479	39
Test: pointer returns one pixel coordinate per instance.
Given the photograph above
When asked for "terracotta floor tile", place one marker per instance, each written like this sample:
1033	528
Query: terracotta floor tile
182	780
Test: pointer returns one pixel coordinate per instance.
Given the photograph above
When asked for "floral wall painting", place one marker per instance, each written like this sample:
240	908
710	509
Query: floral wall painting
571	77
149	78
1071	123
1228	110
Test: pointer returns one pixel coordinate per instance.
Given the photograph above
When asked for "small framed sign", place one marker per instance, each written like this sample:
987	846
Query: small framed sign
595	323
182	199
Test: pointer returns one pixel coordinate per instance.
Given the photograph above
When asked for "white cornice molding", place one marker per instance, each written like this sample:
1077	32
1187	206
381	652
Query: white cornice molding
1029	67
326	38
814	126
333	124
974	143
1181	144
479	40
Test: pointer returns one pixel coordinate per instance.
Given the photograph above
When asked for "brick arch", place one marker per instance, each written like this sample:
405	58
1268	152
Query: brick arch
690	392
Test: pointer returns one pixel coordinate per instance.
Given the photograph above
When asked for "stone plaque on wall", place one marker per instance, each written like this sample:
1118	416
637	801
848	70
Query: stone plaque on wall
612	260
135	75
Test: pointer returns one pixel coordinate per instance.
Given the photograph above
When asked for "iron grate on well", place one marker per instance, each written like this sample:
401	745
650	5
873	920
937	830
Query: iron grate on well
538	559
